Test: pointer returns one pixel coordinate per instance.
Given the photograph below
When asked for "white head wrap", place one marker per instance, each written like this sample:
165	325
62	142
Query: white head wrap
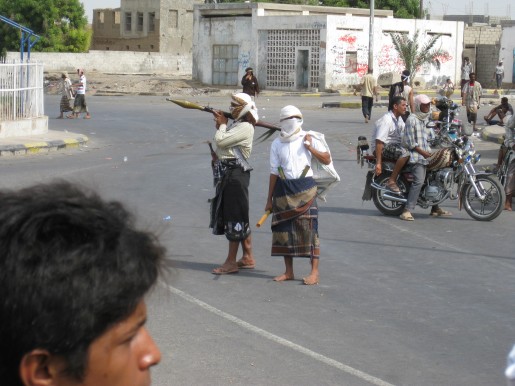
291	123
421	99
245	105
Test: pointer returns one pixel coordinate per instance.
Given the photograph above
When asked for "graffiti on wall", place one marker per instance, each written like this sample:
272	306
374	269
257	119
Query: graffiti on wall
388	60
244	60
350	60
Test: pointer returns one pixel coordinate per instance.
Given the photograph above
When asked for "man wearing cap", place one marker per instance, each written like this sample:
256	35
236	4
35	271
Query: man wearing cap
230	207
415	138
292	194
250	83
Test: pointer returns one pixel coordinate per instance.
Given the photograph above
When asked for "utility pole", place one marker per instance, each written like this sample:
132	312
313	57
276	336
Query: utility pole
371	38
421	12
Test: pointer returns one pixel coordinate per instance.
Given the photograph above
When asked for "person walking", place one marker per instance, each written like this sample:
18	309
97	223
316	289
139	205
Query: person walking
471	98
466	69
230	207
65	86
368	91
80	105
250	83
292	194
499	74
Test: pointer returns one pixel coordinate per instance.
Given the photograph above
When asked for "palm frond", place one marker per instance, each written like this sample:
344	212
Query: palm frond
267	134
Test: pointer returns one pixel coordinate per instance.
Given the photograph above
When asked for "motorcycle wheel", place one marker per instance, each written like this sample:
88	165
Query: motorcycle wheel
493	204
385	205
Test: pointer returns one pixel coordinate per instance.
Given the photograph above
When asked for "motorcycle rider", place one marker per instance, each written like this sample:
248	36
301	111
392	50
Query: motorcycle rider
415	138
386	141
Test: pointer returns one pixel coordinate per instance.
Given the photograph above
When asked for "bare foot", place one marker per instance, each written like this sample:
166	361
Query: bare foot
225	269
284	277
311	279
246	263
508	208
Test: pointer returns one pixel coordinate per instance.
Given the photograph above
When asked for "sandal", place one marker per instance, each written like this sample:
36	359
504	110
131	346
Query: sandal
441	213
393	187
70	116
406	216
246	264
224	270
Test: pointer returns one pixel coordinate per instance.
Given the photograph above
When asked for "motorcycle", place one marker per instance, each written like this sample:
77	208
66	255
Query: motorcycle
450	175
446	118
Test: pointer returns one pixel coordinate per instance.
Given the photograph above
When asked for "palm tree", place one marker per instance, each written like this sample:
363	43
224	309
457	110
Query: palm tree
414	56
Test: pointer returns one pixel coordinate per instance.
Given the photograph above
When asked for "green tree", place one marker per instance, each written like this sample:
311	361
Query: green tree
61	24
414	55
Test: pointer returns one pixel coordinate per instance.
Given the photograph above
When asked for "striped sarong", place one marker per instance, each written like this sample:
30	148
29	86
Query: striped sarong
65	105
442	158
295	219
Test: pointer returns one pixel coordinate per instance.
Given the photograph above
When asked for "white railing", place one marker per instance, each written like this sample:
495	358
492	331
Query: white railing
21	91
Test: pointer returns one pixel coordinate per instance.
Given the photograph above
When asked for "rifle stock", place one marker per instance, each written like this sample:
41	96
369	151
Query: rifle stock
191	105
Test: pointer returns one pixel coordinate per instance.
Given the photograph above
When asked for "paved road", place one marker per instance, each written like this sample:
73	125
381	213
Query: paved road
422	303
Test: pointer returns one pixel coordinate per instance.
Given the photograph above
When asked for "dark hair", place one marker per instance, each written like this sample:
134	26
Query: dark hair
504	99
472	73
71	266
466	58
406	73
396	100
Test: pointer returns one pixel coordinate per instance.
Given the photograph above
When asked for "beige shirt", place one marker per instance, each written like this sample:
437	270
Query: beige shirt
368	85
237	134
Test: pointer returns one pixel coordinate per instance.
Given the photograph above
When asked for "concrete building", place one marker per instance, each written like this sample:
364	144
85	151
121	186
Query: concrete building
507	53
146	26
298	47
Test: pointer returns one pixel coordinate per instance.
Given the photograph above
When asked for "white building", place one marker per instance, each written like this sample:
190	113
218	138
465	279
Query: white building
298	47
508	53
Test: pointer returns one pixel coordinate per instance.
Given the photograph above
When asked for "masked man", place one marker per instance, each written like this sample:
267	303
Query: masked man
230	207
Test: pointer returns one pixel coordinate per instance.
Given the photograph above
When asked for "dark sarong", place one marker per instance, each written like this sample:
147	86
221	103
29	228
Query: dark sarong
80	104
295	219
230	206
509	187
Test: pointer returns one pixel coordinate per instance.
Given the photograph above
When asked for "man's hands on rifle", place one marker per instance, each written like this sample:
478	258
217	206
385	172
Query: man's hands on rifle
219	118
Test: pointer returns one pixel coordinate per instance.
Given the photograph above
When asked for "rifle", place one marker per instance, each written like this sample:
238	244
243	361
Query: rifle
191	105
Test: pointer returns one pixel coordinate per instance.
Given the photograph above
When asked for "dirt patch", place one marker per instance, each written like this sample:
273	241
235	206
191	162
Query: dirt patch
142	84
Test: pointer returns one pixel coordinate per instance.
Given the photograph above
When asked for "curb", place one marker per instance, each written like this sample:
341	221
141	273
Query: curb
492	137
42	147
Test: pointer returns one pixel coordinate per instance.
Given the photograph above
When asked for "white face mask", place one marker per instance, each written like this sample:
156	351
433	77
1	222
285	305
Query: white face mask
288	127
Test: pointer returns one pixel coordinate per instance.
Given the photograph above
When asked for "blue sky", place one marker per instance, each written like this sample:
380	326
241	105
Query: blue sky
438	7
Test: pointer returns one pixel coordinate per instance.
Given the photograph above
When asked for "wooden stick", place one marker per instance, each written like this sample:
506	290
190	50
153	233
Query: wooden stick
263	218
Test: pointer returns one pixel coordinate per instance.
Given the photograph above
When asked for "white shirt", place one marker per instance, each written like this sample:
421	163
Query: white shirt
387	129
292	157
82	88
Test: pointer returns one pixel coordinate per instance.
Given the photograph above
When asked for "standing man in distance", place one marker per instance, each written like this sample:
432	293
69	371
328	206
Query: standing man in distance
368	91
466	69
74	273
499	74
471	98
250	83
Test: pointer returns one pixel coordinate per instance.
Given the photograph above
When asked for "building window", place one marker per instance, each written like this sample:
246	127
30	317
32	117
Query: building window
117	17
128	21
100	16
151	21
283	46
140	21
351	62
173	18
225	65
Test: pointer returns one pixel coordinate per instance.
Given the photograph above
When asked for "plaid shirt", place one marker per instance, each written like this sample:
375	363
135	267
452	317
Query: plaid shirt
416	134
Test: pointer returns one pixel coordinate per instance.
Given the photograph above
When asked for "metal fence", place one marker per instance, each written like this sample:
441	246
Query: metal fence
21	90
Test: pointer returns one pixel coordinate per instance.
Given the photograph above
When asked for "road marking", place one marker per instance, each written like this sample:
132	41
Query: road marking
277	339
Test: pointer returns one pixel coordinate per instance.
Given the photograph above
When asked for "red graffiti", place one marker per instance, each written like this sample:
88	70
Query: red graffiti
362	69
350	39
443	57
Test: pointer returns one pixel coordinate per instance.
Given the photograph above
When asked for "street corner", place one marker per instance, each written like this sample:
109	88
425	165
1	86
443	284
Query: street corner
493	133
12	147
